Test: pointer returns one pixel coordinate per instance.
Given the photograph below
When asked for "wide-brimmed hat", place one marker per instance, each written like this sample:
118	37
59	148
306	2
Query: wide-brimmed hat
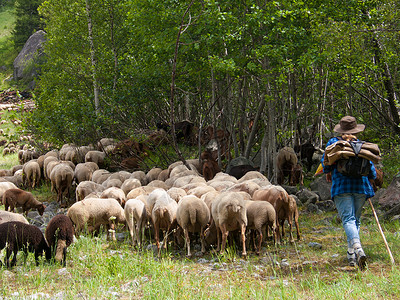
348	124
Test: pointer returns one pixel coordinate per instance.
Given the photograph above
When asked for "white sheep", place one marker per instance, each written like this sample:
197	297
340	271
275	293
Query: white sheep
115	193
61	178
94	212
4	186
85	188
228	211
152	174
130	184
141	190
192	215
84	171
163	214
7	216
100	175
31	174
136	218
158	184
139	175
176	193
96	157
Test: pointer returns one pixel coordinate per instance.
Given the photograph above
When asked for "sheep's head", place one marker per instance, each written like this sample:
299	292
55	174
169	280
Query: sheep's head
41	209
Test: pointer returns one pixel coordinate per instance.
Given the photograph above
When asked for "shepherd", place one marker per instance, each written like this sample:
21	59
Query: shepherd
350	193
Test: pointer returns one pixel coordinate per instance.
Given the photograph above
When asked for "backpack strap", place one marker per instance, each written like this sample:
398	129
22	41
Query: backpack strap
356	145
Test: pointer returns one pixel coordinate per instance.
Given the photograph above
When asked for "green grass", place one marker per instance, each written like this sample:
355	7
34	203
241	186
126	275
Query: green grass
114	270
7	51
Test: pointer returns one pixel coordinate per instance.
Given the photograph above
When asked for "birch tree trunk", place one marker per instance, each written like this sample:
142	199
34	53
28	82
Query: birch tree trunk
92	57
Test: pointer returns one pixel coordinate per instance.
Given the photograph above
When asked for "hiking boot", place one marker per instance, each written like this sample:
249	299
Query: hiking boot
361	258
351	258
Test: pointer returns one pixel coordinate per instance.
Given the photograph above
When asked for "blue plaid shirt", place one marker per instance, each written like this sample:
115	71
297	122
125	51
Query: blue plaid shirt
343	184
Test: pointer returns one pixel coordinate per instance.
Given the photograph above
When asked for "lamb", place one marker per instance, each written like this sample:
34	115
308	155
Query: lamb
192	215
7	216
260	216
85	188
59	235
31	174
94	212
228	211
17	236
163	213
115	193
61	178
13	198
136	218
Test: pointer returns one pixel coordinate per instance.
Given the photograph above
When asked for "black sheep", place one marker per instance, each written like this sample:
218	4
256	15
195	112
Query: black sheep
20	236
60	234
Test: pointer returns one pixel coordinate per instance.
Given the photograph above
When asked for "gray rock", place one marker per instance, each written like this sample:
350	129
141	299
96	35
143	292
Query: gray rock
291	190
30	55
322	187
391	196
307	196
315	245
327	205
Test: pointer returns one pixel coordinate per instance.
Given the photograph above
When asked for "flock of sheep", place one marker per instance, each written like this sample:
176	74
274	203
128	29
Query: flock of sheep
178	201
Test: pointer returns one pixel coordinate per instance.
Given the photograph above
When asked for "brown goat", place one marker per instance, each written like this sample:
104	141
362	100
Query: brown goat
19	198
209	166
287	165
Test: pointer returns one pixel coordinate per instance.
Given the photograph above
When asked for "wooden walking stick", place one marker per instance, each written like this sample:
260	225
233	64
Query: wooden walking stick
380	229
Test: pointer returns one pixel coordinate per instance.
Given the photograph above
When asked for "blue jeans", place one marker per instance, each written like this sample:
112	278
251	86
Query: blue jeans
349	207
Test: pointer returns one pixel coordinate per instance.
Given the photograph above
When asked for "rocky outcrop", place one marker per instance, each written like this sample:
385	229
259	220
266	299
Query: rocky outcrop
391	197
25	64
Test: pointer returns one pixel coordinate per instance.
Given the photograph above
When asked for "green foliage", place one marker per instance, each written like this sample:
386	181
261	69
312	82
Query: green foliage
7	51
27	21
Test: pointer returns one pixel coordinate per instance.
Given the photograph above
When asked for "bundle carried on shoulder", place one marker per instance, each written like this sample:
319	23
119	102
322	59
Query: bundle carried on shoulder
352	157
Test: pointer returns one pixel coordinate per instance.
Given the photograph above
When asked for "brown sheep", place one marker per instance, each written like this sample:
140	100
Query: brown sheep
260	216
283	204
286	160
59	235
19	198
